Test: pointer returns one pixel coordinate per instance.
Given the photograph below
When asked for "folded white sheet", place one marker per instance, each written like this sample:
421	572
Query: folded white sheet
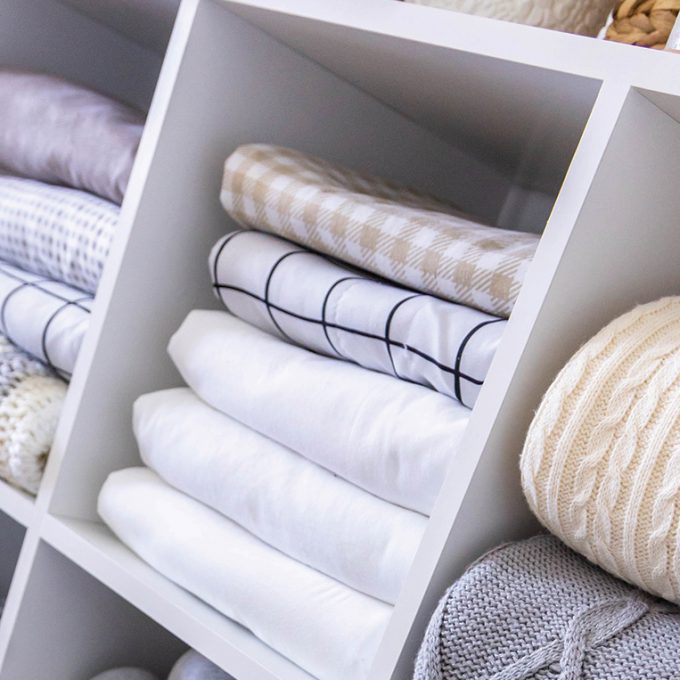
325	627
43	317
193	666
390	437
299	295
276	494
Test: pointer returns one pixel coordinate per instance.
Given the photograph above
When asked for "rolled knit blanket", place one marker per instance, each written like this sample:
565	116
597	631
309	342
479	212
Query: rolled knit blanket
31	398
601	462
193	666
377	226
535	610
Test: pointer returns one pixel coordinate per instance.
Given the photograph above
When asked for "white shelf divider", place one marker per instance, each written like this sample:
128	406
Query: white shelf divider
511	122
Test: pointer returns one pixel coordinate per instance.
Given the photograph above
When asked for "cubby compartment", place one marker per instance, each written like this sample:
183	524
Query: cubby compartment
58	636
275	87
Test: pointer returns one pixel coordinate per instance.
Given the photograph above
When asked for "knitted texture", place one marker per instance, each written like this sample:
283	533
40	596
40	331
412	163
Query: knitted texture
601	462
536	610
585	17
31	397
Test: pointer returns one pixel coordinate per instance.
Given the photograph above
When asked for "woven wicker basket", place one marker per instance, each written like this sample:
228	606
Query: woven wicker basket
647	23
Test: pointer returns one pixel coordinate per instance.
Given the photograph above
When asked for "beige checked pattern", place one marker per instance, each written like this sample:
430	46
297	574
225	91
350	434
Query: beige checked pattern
376	225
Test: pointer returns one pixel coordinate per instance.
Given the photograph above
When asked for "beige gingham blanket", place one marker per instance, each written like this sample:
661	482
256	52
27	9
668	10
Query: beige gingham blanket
386	229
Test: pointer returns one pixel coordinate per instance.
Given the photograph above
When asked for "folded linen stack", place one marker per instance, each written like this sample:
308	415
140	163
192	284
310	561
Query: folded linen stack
66	154
289	484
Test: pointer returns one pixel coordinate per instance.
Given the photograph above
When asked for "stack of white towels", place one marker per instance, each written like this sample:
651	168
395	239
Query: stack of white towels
289	484
66	154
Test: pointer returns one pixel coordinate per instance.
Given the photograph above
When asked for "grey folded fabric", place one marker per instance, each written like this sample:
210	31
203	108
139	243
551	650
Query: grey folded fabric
535	609
125	674
194	666
58	132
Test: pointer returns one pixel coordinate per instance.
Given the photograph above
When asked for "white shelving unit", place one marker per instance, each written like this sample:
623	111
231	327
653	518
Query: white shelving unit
518	125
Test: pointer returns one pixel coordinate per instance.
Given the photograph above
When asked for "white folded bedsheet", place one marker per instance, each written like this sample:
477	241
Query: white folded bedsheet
325	627
289	502
392	438
45	318
296	294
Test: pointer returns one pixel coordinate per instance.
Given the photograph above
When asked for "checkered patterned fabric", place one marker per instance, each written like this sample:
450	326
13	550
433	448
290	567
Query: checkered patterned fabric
45	318
376	226
54	231
314	302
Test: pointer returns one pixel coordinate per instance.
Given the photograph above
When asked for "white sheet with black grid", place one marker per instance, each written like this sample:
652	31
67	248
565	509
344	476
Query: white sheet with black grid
327	307
45	318
55	231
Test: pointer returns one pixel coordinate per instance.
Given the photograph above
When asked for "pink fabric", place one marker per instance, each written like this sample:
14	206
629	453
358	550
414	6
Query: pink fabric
58	132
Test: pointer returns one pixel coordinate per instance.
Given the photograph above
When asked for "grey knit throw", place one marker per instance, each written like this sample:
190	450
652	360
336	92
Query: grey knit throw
537	610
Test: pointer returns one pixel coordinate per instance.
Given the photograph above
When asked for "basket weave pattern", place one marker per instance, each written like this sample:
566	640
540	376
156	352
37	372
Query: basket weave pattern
647	23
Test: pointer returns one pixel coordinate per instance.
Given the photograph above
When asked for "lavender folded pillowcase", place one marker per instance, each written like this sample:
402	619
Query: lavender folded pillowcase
58	132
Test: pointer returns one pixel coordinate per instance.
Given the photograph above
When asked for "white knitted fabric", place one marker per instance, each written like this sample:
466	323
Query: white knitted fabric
31	397
585	17
601	463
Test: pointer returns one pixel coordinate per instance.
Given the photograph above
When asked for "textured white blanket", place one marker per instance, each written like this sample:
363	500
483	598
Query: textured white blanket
282	498
390	437
56	232
325	627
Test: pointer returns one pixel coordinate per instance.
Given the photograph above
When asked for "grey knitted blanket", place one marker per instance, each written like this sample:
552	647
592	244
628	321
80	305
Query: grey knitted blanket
537	610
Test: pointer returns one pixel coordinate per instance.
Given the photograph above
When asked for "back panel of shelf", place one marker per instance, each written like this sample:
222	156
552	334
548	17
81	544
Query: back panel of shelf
33	36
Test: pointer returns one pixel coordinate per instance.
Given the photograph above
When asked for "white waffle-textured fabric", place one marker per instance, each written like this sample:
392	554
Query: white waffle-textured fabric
601	463
585	17
377	226
55	231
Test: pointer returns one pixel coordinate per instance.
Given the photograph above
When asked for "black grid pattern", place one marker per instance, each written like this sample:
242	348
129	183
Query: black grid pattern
45	318
318	303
